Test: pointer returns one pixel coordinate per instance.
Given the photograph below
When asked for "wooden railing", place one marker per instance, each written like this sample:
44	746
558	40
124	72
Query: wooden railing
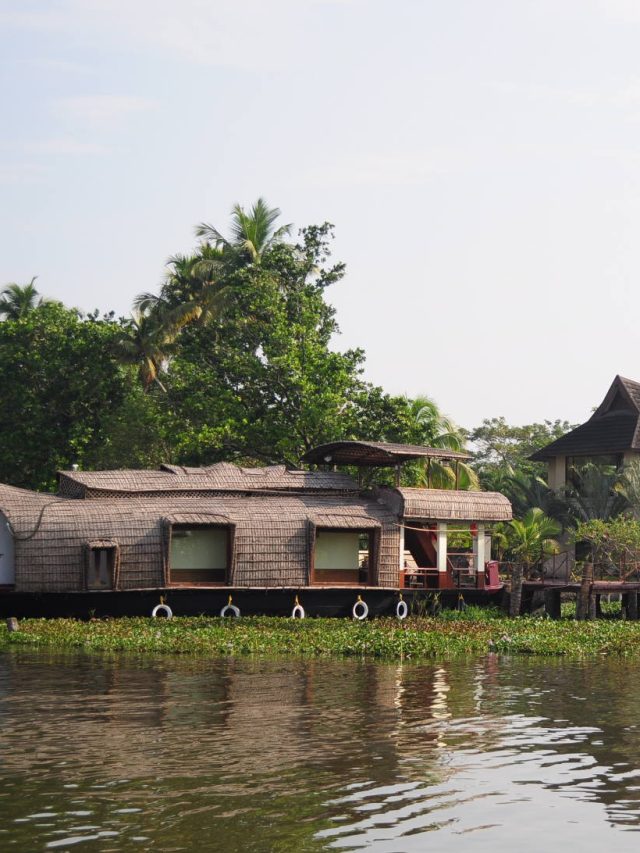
454	578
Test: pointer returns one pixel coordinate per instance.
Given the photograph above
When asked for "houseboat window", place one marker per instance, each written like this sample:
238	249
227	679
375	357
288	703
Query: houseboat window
100	568
199	555
343	557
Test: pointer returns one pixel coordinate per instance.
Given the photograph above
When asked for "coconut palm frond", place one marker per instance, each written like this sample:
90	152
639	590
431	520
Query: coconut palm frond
251	232
210	234
442	475
146	303
595	493
17	300
283	231
147	341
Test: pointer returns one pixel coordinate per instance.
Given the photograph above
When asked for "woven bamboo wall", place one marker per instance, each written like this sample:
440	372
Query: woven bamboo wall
270	543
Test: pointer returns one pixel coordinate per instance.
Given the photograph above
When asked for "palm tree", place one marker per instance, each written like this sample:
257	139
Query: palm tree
18	300
441	431
596	492
629	487
147	342
527	490
193	289
531	539
252	233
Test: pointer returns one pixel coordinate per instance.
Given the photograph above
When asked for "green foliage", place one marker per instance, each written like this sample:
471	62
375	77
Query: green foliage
595	492
501	459
614	541
235	358
59	390
471	632
18	300
531	538
500	446
260	380
252	233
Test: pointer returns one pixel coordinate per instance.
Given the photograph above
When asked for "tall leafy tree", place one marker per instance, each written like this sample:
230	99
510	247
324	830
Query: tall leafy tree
59	390
261	380
501	446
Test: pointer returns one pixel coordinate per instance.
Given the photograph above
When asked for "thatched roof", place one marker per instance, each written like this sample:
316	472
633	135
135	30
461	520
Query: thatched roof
447	504
373	453
222	477
613	428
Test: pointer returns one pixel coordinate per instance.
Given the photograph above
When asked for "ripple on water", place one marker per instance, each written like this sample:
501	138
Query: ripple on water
258	755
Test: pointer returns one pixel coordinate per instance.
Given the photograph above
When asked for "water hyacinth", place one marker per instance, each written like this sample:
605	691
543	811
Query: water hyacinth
474	632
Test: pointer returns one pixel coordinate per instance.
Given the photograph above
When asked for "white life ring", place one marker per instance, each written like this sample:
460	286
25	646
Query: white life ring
231	608
162	608
402	611
365	610
298	611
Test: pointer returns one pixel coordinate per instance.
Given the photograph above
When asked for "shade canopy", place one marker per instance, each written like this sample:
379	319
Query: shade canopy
373	453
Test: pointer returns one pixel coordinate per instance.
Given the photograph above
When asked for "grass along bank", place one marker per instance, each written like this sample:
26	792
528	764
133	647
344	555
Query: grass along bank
475	632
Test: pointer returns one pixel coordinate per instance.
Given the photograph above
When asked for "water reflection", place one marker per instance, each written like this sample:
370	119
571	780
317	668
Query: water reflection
121	753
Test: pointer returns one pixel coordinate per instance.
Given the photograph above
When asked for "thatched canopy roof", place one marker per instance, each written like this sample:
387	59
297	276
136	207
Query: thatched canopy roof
613	428
447	504
374	453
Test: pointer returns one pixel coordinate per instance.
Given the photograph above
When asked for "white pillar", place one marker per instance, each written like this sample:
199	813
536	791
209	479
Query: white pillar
7	554
479	549
442	546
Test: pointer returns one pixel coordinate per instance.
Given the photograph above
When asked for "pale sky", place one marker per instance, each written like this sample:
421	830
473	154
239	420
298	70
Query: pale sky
480	160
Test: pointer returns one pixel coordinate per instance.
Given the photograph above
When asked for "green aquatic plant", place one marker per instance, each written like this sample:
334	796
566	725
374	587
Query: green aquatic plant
474	631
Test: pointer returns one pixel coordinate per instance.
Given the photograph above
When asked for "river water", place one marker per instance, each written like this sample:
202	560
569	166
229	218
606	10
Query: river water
498	754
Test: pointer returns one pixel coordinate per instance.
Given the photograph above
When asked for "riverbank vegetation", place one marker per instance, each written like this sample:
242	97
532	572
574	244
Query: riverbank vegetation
475	632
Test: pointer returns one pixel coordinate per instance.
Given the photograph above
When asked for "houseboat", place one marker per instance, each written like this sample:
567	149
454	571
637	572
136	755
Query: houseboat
120	542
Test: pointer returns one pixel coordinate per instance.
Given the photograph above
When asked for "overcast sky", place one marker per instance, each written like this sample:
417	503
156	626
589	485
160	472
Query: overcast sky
480	160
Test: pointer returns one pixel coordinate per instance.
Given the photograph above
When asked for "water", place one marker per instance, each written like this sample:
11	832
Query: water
119	754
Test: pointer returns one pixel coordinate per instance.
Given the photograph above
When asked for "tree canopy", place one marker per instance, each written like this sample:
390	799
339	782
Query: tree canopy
234	357
59	388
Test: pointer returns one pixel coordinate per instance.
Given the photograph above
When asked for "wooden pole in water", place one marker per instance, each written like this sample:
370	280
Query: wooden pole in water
552	603
598	606
582	602
517	575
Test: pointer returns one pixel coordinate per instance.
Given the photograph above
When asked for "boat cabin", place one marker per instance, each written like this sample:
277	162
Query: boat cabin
227	527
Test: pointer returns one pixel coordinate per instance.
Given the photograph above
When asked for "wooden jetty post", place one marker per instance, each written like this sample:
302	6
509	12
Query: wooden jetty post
583	602
552	603
630	604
